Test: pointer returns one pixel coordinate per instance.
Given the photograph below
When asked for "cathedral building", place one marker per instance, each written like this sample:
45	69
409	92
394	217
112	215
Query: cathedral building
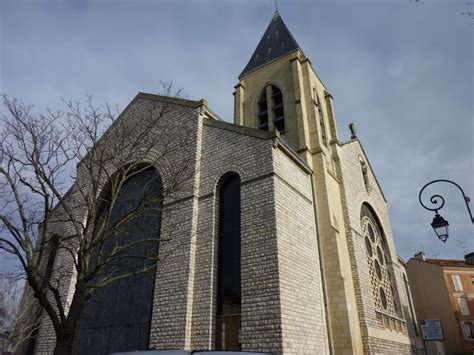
282	241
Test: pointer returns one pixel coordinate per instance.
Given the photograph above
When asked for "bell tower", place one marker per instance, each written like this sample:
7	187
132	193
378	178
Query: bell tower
279	90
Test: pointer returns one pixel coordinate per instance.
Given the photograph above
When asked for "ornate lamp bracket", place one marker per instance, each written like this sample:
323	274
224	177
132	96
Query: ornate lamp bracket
438	201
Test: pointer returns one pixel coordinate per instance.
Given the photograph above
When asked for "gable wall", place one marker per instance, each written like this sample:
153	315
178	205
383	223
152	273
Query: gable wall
380	333
180	130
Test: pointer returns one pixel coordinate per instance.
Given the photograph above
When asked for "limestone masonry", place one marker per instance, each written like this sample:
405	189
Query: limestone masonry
318	271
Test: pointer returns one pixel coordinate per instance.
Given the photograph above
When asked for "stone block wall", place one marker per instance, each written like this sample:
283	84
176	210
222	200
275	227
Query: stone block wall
282	303
282	300
301	295
224	150
63	275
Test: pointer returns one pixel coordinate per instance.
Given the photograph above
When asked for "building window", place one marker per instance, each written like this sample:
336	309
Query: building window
278	113
263	111
457	283
117	318
276	106
382	280
463	306
229	295
53	245
322	123
468	330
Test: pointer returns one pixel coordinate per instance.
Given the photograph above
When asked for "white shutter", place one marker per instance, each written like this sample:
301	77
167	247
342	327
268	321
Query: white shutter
463	306
457	283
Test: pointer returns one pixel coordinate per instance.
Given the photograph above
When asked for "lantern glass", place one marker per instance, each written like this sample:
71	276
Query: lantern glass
440	226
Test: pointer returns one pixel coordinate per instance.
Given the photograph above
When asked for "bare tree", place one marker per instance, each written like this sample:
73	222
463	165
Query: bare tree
10	291
16	321
62	177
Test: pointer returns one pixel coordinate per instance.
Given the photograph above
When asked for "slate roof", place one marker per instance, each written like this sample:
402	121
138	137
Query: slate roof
276	42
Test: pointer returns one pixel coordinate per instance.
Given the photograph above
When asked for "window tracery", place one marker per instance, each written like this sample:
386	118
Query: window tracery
381	277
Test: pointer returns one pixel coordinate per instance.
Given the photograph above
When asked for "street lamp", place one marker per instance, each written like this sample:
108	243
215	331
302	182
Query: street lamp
439	224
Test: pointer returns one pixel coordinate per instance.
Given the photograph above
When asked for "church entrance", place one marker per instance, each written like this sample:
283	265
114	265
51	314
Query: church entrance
228	332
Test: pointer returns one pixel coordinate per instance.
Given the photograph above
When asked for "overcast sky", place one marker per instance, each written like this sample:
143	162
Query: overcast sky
401	70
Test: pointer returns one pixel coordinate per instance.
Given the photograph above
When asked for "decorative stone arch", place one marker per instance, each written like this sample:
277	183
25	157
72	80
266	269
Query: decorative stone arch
160	167
113	170
366	208
277	83
218	175
276	113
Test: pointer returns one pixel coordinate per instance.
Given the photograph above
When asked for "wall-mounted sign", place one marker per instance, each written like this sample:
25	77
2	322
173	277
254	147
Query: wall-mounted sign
431	329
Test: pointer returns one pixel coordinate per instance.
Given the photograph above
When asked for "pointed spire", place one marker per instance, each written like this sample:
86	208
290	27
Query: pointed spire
276	42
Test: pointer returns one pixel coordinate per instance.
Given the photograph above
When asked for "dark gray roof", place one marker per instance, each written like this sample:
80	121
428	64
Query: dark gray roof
276	42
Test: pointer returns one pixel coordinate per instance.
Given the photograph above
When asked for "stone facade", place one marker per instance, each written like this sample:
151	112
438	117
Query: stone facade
383	332
306	281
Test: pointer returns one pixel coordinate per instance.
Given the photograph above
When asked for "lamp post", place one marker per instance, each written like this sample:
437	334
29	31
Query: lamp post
439	224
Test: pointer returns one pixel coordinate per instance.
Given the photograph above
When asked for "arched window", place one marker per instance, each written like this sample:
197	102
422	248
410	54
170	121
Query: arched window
229	295
277	109
378	258
117	318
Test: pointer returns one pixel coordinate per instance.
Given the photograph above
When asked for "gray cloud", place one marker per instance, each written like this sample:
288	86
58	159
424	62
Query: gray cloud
401	70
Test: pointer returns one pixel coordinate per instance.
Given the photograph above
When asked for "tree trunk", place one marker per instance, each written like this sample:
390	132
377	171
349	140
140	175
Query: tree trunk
66	332
64	343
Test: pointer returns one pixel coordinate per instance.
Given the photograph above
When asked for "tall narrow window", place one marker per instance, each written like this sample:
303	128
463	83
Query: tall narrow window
322	124
278	113
463	306
229	299
53	245
277	109
263	111
457	283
